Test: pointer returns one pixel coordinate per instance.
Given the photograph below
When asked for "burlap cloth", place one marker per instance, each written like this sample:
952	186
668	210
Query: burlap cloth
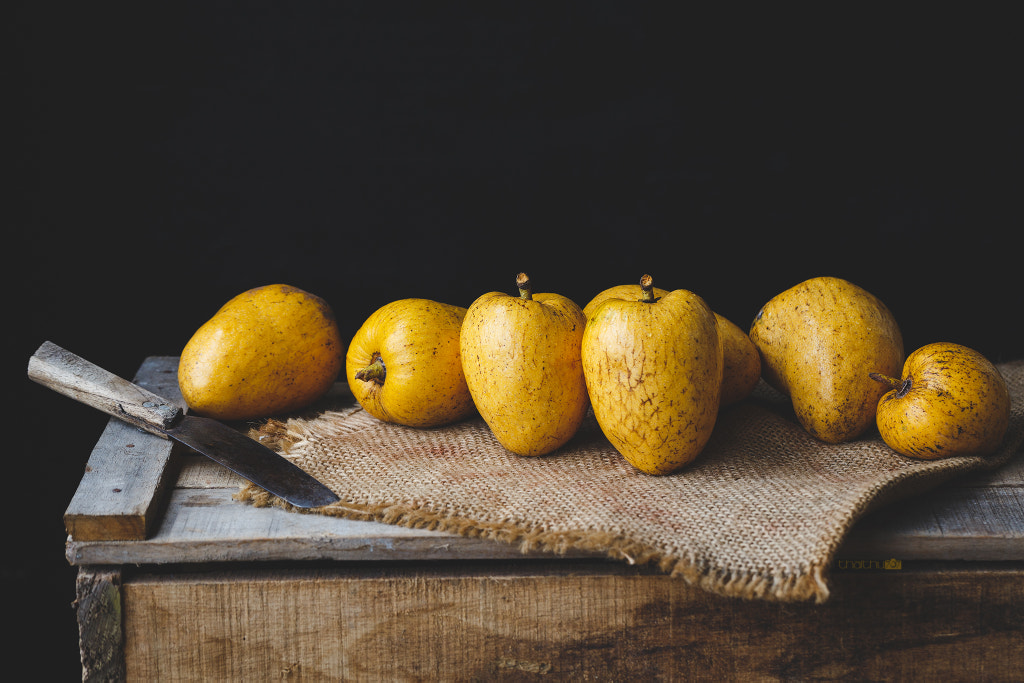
759	514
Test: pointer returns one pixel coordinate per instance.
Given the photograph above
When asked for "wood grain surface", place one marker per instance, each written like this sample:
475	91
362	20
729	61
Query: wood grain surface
545	620
120	496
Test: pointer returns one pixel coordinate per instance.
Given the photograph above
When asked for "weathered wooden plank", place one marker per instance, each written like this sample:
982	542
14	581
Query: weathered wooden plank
199	472
99	610
119	495
595	622
950	523
206	525
203	524
1010	474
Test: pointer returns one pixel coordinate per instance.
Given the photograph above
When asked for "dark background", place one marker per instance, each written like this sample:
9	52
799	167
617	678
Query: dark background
168	158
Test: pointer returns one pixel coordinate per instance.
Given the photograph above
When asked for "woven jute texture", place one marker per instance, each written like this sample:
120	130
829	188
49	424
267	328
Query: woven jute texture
759	514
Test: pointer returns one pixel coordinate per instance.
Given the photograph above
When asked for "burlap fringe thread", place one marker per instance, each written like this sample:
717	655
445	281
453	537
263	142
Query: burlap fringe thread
283	436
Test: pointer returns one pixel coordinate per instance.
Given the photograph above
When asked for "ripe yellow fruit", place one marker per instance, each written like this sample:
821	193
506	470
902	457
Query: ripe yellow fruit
818	341
270	350
634	292
521	359
950	401
653	368
742	363
404	365
741	368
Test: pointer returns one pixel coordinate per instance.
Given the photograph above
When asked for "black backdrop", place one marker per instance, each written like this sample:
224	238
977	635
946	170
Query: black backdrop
171	157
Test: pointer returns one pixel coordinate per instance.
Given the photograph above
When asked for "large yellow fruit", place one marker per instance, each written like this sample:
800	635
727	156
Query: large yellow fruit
521	358
653	368
742	363
404	366
268	351
818	341
949	401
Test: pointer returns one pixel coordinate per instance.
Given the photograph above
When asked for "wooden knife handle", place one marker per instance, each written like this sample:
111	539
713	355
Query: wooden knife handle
73	376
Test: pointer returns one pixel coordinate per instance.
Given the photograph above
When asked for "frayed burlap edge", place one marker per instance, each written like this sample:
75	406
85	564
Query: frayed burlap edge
808	585
795	588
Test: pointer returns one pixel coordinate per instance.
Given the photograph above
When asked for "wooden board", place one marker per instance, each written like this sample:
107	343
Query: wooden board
206	525
120	495
553	621
979	518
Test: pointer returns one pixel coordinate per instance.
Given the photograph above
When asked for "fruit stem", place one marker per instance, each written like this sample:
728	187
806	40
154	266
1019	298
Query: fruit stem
647	287
524	285
901	386
374	372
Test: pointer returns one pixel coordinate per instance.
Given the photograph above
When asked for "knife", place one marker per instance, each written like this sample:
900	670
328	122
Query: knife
73	376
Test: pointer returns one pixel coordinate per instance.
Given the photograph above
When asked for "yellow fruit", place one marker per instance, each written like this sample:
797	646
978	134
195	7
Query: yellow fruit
623	292
742	367
403	365
818	341
521	358
950	401
654	372
267	351
742	362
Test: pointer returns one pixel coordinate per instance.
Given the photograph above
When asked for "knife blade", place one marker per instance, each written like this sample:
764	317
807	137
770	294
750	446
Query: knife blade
77	378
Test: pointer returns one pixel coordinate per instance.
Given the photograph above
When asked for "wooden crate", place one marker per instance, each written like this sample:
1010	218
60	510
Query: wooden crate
179	582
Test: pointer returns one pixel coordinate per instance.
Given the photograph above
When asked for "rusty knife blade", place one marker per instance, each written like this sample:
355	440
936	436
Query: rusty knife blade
252	460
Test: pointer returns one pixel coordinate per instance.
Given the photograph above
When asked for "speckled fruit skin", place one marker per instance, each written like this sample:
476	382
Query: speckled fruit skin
951	401
654	373
818	342
742	362
268	351
633	292
521	358
417	340
742	368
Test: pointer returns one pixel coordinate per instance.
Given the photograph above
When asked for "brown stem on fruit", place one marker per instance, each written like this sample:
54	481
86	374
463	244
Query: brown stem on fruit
647	287
524	285
902	386
374	372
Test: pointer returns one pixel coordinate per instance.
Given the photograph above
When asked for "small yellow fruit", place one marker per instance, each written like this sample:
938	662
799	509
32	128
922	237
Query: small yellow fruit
521	358
818	341
268	351
742	368
404	366
950	401
742	363
653	368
